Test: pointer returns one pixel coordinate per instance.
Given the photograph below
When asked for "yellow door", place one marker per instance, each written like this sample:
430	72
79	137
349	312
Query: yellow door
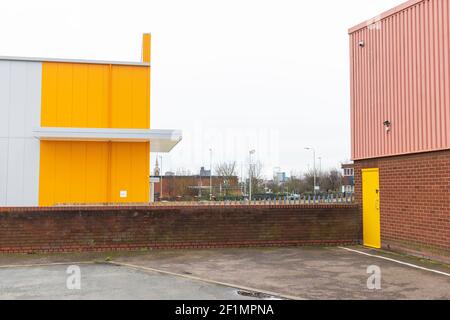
371	208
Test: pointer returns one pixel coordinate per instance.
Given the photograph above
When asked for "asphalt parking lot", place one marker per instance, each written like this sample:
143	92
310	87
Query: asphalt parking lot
257	273
105	281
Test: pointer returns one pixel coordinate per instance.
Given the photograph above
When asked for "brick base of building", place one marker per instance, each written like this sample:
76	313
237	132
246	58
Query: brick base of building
414	202
29	230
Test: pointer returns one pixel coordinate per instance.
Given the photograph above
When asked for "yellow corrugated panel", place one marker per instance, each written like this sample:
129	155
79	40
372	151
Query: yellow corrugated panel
93	172
130	172
146	47
95	96
130	95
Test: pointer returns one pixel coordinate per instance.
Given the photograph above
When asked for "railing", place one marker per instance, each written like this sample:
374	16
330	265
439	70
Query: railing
278	201
329	199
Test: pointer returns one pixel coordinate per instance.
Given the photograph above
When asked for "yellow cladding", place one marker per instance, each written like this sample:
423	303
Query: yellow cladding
77	95
95	96
93	172
371	208
146	47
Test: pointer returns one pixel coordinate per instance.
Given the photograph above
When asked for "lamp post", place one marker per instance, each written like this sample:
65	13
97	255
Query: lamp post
252	152
210	174
314	165
161	179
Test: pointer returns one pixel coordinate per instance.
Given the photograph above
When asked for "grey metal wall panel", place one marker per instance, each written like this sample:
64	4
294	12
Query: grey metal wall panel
3	170
20	108
4	98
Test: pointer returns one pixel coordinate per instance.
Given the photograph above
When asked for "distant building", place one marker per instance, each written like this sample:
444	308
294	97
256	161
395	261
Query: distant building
156	171
204	173
348	175
280	177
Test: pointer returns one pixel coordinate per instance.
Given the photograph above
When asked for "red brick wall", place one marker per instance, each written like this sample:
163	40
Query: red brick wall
414	202
89	229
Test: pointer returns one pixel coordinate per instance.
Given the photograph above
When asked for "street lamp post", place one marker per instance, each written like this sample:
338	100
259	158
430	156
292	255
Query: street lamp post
320	165
314	165
161	180
210	174
250	175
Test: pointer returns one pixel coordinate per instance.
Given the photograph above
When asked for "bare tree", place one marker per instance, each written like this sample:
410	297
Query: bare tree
227	172
256	172
332	180
226	169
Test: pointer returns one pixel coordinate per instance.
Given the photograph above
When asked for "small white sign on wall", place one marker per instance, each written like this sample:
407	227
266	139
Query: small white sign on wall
123	194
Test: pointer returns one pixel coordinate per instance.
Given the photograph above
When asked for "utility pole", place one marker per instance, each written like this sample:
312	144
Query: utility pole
314	164
250	175
210	174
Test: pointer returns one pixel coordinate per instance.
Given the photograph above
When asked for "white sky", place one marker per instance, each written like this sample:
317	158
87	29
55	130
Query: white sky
233	75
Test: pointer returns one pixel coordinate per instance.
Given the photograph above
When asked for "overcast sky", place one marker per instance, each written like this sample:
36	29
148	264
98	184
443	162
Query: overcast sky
233	75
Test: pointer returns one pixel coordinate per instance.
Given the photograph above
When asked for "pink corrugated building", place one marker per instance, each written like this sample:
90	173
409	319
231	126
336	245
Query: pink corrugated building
400	120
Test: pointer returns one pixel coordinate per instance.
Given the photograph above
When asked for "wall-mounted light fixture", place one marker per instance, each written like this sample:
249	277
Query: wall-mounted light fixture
362	44
387	125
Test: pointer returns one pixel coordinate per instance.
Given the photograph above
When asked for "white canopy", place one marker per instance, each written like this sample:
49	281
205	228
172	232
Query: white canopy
160	140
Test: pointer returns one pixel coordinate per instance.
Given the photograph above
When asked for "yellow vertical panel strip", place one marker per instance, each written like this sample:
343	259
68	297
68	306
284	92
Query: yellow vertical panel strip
97	101
123	170
96	172
140	114
47	173
80	96
77	173
109	98
62	172
140	172
109	172
64	95
146	47
122	97
49	90
148	105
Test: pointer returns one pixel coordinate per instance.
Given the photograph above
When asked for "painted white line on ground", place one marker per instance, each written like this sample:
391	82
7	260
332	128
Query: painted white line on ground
397	261
45	264
230	285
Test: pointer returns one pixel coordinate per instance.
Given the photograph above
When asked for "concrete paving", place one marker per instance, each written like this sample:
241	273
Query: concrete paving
306	273
103	281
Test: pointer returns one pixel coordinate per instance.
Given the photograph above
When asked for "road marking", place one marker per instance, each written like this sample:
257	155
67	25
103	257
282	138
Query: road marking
45	264
230	285
397	261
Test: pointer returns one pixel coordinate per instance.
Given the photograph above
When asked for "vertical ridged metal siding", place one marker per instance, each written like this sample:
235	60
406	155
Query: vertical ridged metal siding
402	74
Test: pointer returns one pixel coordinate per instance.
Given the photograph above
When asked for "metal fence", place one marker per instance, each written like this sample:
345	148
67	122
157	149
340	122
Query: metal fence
273	201
328	199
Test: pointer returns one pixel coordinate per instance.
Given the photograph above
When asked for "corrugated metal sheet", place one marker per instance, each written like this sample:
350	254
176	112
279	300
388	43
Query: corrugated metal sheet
20	104
93	172
95	96
401	74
